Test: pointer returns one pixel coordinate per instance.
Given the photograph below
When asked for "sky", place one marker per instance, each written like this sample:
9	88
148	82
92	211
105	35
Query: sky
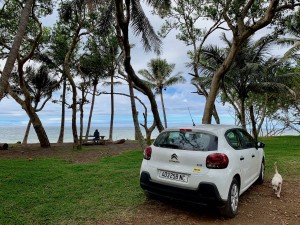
182	106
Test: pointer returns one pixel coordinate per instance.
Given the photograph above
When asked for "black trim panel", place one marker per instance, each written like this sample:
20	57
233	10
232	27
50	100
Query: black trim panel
207	193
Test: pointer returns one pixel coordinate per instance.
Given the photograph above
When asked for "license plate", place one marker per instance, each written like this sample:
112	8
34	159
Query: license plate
173	176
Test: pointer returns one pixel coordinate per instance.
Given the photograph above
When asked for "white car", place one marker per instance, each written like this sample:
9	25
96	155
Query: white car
207	164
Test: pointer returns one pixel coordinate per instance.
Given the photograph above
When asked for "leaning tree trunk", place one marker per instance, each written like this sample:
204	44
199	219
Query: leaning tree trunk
253	122
216	115
25	139
39	129
241	33
13	53
123	38
135	116
24	142
63	113
263	114
215	83
36	122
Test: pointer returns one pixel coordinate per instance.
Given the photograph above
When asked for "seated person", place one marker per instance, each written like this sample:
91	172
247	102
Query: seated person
96	135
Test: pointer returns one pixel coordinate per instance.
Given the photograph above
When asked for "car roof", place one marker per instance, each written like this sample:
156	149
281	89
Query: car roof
214	128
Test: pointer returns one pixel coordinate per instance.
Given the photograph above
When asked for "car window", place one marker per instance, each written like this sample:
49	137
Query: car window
246	139
233	139
196	141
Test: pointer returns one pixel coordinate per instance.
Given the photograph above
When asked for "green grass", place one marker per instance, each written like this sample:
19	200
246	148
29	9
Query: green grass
285	150
49	191
53	191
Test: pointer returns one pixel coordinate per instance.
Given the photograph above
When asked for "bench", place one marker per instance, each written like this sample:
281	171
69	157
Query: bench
100	141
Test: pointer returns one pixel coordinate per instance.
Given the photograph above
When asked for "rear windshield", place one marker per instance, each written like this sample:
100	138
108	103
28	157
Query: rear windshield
196	141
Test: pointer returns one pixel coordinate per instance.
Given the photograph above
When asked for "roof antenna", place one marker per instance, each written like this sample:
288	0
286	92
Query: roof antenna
191	117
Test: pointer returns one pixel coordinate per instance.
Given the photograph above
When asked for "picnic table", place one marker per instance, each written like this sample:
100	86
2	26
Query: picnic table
100	141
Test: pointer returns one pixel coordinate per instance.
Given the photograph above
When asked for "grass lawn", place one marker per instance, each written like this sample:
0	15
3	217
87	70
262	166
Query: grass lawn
285	150
51	191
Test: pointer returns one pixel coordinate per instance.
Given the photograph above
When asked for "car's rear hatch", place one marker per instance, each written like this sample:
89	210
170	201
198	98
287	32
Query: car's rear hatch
179	157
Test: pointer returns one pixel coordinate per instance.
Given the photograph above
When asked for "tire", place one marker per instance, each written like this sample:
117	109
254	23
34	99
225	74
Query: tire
230	209
260	179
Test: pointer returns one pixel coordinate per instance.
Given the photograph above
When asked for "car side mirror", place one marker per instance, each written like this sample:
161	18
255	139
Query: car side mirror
259	145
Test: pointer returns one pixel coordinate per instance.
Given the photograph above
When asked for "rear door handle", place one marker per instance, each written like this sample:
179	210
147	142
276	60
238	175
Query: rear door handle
242	158
253	156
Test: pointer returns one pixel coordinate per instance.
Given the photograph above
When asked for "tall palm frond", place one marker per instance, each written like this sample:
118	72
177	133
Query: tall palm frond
292	27
107	19
141	26
159	74
39	82
176	79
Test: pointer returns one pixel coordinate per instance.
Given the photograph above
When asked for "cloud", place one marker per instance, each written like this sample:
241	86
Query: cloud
181	104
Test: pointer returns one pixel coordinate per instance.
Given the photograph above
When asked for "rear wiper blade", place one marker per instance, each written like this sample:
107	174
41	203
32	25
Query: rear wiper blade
169	145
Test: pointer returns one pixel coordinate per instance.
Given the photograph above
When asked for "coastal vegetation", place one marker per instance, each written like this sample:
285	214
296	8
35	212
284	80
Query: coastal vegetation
90	43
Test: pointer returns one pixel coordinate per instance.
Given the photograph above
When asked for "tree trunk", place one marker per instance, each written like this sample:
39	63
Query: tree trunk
112	106
95	83
63	112
148	138
36	123
163	108
253	122
240	32
24	142
201	88
215	115
137	129
67	71
243	113
81	114
122	25
39	129
215	84
9	64
263	114
256	128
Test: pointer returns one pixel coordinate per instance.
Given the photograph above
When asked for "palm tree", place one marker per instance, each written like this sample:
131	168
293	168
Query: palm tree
97	64
251	72
292	27
159	76
54	57
75	15
41	86
134	16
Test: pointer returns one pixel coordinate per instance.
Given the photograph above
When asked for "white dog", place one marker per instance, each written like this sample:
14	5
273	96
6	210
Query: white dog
277	181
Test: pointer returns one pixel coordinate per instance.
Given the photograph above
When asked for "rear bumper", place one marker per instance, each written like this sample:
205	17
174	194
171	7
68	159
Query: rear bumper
206	194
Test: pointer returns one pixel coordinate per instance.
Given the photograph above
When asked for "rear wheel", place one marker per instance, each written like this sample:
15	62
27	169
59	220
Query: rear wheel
231	206
260	179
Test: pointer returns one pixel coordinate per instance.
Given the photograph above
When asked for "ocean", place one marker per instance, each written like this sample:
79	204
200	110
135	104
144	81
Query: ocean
13	134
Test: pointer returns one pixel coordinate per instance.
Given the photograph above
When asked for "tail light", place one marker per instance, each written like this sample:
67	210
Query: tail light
185	130
217	161
147	153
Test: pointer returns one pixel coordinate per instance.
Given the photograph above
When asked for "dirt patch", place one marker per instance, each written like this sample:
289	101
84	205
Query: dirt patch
87	154
257	206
